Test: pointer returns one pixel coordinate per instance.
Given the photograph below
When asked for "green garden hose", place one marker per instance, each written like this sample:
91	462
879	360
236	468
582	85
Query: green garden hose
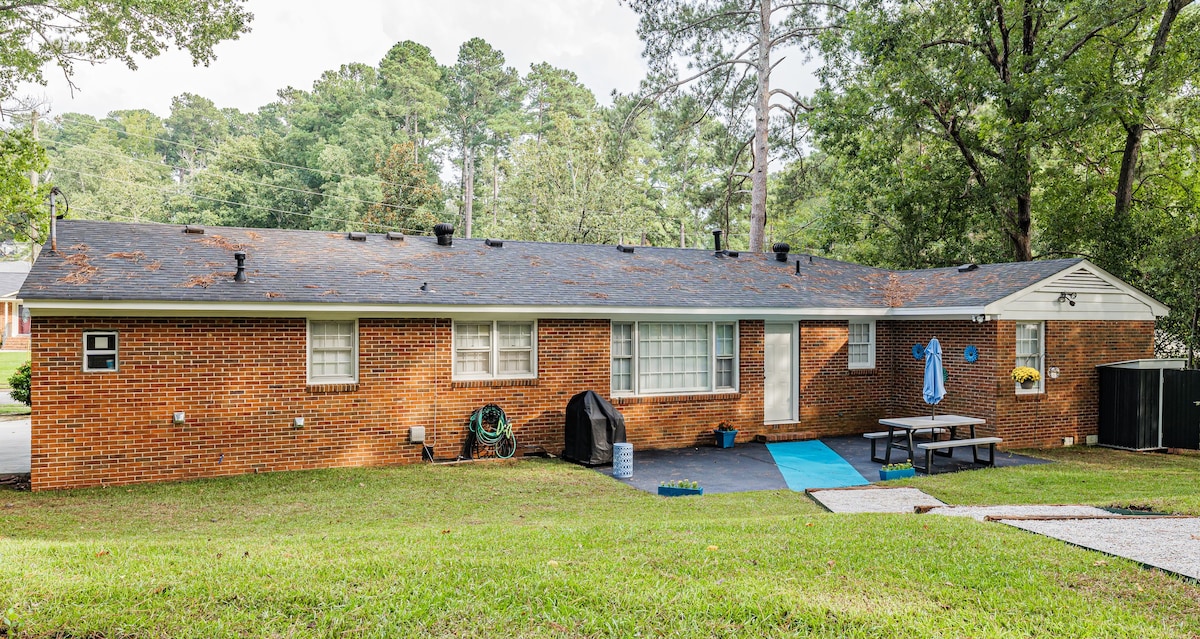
500	436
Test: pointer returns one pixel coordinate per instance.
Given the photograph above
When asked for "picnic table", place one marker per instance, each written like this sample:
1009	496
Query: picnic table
906	426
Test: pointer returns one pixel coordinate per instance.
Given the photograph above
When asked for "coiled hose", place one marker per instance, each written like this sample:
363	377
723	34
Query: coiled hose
500	436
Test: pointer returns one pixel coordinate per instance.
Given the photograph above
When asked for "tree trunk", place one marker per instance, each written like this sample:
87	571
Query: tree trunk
1134	130
468	189
762	112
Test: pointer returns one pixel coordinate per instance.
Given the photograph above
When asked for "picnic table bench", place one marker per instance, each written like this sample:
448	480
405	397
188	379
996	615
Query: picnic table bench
948	445
932	431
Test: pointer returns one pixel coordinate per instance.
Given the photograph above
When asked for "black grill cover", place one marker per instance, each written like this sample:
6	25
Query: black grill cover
593	426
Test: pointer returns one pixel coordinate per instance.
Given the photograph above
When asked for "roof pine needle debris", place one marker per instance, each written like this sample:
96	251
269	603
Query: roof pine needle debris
219	241
132	256
82	270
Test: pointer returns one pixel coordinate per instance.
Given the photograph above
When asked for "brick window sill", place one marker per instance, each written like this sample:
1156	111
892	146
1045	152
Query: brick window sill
630	400
321	389
1030	397
863	371
492	383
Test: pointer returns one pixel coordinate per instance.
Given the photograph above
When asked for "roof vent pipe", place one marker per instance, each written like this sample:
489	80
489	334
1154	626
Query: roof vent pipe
240	256
781	250
717	241
444	233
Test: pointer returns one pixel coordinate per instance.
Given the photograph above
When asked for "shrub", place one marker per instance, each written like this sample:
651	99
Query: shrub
19	383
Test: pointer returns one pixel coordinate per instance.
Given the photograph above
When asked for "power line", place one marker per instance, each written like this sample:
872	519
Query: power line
220	175
243	204
226	153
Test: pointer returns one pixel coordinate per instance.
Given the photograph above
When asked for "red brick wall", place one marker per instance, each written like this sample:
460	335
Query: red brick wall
1069	406
835	400
242	381
970	390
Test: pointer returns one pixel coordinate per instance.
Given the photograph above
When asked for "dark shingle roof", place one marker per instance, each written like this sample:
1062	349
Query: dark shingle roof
157	262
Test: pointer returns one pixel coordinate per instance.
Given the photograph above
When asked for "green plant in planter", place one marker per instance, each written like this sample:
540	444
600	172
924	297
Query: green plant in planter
904	465
725	426
1025	374
681	483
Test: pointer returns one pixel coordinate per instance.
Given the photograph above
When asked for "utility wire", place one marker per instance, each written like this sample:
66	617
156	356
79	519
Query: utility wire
225	153
243	204
226	176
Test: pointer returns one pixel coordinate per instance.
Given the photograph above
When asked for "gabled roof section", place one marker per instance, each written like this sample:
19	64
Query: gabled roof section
1082	291
11	281
120	265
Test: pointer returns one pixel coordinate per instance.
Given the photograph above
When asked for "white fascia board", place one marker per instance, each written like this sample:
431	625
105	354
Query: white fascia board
1154	308
126	308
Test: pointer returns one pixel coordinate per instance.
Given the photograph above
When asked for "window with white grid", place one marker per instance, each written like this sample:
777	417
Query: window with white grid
495	350
1029	347
622	357
862	345
332	352
656	358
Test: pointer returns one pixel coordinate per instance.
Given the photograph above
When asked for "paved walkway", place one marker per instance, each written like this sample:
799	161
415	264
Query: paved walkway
1171	544
14	446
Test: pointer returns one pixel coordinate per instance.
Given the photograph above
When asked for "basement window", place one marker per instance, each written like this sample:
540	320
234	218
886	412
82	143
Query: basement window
332	352
495	350
100	351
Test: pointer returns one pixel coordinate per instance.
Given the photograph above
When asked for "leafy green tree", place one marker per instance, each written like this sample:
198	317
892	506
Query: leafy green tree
411	81
483	113
411	200
37	33
730	48
20	203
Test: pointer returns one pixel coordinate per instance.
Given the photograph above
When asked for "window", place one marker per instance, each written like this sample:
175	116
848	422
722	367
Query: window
862	345
495	350
1029	351
100	351
332	352
655	358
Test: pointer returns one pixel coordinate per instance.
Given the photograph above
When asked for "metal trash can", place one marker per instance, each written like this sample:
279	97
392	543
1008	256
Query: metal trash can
622	460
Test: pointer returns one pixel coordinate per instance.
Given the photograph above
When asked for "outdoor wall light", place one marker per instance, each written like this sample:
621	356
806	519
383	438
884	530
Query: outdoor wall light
298	422
178	417
979	319
1068	298
1053	372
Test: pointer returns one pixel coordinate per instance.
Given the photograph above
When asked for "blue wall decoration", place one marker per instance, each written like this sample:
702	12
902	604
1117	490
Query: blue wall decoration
918	351
970	354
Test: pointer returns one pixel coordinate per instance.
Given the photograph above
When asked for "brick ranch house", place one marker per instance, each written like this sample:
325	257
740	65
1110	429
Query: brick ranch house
365	336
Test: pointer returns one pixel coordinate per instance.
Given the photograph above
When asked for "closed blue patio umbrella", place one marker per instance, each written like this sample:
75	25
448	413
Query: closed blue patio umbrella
935	388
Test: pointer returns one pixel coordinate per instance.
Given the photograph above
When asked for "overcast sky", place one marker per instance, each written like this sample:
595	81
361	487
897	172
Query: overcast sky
293	41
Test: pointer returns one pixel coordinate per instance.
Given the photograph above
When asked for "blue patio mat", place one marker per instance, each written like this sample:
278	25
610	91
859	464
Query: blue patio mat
812	464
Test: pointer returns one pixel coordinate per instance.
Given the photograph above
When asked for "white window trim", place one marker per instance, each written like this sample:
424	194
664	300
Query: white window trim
331	379
870	346
494	357
1041	384
115	352
712	359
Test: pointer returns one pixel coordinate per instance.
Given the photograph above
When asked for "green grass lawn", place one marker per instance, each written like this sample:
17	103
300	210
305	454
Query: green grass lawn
545	549
9	361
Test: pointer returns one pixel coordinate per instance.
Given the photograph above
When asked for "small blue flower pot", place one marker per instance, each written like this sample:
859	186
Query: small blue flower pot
725	438
670	491
885	475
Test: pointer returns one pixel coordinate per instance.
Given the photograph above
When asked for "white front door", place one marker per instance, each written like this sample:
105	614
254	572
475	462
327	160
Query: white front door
779	371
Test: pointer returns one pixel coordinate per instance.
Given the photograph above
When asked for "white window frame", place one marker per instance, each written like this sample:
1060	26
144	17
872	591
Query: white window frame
635	375
308	360
494	355
102	351
1040	387
870	363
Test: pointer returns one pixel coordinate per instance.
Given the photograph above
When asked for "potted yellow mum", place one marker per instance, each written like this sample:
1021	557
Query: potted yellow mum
1025	376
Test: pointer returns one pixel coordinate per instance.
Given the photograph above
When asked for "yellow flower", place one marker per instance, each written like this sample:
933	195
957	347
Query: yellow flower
1025	374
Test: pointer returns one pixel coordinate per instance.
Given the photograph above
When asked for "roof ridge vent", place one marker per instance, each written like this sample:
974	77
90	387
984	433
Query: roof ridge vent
356	236
190	228
968	267
395	236
624	249
493	243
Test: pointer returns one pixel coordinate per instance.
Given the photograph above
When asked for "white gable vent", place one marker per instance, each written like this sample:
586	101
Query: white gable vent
1085	280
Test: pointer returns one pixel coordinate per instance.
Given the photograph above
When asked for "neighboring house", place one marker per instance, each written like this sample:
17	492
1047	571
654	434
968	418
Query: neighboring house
366	336
15	332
